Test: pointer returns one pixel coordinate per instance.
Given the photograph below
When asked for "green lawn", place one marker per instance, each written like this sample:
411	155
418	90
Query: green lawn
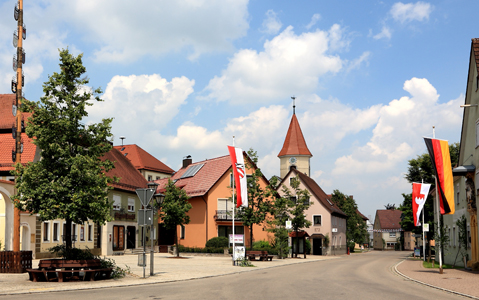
428	265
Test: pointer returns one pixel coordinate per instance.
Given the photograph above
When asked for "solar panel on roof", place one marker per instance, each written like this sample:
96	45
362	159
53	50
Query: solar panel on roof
192	170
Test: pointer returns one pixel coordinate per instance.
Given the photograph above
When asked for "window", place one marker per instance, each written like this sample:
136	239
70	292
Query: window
90	233
182	232
292	181
46	231
150	178
82	233
157	177
249	180
131	204
56	232
118	238
449	234
225	205
317	220
306	201
392	234
116	202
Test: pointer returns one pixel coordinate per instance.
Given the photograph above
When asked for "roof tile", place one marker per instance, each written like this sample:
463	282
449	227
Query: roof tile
389	218
7	144
294	143
130	177
6	117
143	160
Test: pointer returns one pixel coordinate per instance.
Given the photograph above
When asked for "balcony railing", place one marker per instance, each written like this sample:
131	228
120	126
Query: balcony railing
227	215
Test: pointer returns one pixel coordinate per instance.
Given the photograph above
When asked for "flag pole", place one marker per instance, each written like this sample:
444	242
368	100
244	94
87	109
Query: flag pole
234	207
423	236
438	215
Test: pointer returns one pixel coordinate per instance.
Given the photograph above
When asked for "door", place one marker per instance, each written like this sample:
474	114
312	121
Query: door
317	246
166	236
130	237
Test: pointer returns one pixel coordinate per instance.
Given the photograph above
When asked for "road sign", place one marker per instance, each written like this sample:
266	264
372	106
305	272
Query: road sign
145	195
145	217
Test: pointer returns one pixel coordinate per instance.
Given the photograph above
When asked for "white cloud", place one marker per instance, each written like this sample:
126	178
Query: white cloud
123	33
398	133
408	12
356	63
272	24
141	104
384	34
314	19
288	63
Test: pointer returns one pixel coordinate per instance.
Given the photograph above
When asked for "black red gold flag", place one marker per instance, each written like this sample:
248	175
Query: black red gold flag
441	163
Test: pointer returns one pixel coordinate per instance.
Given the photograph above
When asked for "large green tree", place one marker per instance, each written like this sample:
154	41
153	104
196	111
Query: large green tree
69	180
356	230
259	198
174	209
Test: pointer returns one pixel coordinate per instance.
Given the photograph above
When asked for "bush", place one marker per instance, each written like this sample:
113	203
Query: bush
73	253
200	250
351	246
217	242
308	246
265	246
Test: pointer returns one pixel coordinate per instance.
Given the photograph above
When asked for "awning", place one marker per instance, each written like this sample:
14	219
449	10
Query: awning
463	170
317	236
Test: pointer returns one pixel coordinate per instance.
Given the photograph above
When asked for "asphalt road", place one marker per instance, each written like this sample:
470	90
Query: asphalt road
363	276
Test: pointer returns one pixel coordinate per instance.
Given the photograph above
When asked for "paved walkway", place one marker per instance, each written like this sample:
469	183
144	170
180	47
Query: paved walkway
458	281
168	269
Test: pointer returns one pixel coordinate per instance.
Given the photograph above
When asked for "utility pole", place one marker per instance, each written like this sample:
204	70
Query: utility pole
17	85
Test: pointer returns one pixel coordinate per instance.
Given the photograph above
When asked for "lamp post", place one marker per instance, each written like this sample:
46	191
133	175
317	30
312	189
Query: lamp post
157	201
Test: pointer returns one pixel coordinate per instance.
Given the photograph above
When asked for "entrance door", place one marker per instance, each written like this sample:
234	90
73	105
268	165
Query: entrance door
317	246
130	237
166	236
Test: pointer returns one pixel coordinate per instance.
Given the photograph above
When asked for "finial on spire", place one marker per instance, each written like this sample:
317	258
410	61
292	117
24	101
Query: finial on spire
294	104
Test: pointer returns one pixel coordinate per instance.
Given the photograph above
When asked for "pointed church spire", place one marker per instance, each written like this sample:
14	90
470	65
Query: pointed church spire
294	143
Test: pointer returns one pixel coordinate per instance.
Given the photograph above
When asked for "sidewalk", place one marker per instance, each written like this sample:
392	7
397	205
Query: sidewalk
166	269
457	281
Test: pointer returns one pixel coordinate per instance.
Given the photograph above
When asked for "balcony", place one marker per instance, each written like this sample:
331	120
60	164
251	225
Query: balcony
227	215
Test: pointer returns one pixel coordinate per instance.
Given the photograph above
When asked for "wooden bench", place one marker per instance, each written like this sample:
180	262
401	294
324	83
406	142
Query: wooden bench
63	270
262	255
37	275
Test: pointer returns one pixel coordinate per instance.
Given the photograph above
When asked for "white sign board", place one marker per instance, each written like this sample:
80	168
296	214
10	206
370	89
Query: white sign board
289	225
239	239
426	227
334	230
239	252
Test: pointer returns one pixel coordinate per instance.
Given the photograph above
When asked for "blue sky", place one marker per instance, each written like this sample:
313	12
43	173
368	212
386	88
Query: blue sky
182	77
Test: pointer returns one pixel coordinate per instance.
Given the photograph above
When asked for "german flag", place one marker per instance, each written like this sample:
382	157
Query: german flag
441	163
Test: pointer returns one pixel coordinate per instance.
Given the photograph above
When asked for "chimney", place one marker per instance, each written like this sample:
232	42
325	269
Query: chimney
187	160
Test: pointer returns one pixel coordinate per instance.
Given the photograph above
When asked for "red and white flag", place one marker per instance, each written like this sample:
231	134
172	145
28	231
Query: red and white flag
419	195
239	174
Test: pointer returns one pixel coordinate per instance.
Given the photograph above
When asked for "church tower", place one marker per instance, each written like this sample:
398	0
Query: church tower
295	152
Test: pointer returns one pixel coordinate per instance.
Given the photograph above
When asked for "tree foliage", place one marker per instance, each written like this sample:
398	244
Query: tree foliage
174	209
259	199
277	225
356	230
69	180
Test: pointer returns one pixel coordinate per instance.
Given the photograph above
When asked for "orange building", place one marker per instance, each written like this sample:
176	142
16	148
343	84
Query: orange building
208	183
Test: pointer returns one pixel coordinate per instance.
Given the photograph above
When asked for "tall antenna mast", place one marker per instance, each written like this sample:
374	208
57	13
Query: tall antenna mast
17	83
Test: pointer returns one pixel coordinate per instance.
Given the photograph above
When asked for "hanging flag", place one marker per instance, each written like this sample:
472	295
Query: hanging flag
239	174
419	195
441	163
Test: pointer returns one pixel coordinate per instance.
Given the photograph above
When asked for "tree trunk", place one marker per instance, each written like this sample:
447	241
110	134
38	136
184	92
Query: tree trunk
251	236
68	235
176	239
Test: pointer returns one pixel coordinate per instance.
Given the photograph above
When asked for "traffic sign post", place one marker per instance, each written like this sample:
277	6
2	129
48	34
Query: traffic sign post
145	218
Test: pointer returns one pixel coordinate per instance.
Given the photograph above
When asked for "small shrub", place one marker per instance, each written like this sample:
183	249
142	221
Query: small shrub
244	263
351	246
308	246
116	272
73	253
218	242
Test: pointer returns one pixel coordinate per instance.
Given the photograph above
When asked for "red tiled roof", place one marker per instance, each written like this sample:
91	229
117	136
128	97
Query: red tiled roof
475	49
361	215
300	234
143	160
6	117
130	178
7	182
7	144
389	218
203	180
294	143
318	193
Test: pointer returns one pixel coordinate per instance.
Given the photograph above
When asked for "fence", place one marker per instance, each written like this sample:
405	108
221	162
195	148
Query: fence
15	262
